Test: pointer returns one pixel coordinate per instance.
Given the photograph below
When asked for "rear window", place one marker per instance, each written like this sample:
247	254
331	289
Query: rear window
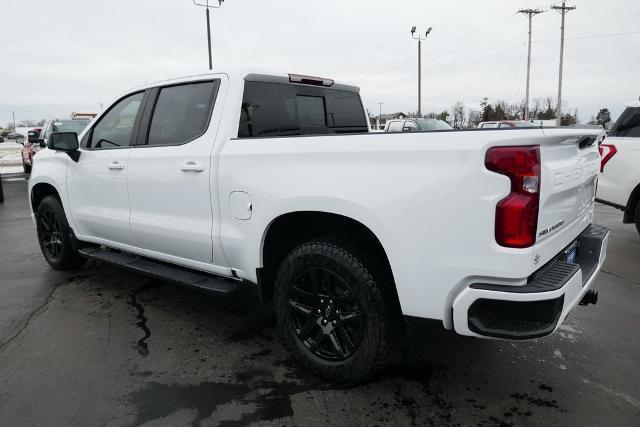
628	124
276	109
182	113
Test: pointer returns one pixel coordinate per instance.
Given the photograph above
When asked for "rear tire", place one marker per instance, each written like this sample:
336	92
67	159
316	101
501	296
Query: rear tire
339	318
638	216
54	236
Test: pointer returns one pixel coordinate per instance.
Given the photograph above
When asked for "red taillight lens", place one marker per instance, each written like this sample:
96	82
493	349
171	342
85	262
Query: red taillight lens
517	214
610	152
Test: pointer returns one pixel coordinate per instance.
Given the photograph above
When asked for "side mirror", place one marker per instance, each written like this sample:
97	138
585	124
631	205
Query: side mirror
67	142
41	143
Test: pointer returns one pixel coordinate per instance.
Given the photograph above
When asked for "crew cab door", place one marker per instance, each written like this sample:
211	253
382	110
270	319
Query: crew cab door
97	182
170	172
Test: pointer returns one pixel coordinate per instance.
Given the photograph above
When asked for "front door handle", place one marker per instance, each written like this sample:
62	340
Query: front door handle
192	167
116	166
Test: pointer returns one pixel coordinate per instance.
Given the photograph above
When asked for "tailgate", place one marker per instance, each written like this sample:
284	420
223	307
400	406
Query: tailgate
570	166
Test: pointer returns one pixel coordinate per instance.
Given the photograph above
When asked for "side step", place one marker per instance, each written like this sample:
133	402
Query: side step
217	285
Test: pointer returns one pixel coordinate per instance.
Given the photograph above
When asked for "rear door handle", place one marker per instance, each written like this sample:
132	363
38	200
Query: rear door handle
192	167
116	166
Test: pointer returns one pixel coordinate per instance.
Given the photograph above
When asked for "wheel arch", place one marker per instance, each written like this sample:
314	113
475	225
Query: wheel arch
291	229
630	209
41	190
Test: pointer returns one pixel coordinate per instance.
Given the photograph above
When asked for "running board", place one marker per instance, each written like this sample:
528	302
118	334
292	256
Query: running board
217	285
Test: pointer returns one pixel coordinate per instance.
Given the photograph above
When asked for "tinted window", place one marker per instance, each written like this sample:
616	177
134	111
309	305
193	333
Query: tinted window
182	113
115	129
628	124
275	109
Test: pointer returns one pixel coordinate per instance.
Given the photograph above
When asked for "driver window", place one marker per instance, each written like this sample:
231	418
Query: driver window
115	128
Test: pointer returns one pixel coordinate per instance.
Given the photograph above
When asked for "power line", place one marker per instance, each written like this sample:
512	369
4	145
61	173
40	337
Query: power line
582	24
563	11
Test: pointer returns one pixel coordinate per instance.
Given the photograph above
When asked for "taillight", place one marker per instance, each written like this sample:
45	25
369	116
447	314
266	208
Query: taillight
611	150
517	214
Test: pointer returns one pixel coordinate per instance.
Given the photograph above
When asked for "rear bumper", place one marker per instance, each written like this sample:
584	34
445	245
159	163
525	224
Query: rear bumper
539	307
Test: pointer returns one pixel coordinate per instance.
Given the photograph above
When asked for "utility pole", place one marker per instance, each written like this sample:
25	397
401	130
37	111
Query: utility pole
420	38
380	115
206	5
563	11
14	120
531	13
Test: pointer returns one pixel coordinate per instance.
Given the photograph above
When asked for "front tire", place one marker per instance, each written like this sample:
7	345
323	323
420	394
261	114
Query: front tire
339	318
54	236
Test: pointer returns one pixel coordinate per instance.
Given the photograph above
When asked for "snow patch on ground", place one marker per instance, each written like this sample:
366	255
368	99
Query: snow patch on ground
10	154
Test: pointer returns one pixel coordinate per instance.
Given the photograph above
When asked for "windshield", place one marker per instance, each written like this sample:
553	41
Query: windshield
432	124
628	124
76	126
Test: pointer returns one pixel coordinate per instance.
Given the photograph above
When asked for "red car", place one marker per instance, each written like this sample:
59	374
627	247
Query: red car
29	149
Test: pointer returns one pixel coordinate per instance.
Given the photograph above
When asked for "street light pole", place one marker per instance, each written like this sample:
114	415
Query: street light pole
13	113
420	38
206	5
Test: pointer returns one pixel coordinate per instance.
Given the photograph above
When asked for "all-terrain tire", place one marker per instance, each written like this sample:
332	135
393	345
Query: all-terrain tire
638	216
54	236
371	290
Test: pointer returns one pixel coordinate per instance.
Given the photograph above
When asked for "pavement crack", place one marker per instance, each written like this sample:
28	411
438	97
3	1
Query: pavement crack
620	277
141	345
39	309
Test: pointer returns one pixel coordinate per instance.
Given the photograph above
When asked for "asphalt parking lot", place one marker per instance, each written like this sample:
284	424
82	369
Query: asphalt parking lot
105	347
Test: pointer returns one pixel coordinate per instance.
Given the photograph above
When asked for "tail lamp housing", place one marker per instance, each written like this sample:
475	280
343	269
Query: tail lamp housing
517	214
611	151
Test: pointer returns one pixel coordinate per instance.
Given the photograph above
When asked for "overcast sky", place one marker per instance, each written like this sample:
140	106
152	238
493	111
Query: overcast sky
60	56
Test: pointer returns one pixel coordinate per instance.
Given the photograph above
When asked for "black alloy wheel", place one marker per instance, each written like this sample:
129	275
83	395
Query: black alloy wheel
325	314
54	236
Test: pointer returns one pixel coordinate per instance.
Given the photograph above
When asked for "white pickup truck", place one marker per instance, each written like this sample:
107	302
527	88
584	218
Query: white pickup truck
227	179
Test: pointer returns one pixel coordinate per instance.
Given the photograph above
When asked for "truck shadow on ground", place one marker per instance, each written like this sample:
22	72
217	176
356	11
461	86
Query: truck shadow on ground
436	377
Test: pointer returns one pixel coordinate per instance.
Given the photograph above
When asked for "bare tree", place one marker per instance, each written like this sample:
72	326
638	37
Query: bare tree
475	117
458	114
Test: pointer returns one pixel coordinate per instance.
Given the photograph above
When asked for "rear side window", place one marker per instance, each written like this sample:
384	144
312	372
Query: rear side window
276	109
395	126
182	113
628	124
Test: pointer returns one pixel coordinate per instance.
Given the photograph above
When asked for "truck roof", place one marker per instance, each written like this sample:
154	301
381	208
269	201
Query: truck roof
251	74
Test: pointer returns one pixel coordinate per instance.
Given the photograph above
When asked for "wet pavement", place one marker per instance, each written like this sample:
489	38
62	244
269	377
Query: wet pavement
105	347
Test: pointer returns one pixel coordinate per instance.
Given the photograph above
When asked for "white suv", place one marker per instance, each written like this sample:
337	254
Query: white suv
619	182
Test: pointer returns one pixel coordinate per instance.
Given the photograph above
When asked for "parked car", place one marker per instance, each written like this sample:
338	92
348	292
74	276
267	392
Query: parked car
17	137
226	180
29	148
1	139
619	182
508	124
415	125
38	137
